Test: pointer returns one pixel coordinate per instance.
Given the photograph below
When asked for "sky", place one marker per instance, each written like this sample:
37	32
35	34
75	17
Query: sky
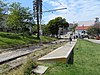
77	10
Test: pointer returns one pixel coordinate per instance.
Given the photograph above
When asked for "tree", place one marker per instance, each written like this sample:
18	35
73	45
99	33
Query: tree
3	10
13	20
55	24
74	27
19	17
34	28
46	30
94	31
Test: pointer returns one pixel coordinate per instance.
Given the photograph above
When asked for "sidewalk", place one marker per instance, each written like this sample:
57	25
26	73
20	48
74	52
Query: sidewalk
60	53
94	41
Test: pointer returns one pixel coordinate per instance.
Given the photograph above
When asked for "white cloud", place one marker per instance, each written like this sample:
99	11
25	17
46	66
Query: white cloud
77	10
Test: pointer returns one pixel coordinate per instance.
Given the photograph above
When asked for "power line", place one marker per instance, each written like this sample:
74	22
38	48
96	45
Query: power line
59	2
45	8
55	9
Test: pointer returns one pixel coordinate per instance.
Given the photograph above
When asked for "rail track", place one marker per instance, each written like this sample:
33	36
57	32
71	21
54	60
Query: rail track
13	59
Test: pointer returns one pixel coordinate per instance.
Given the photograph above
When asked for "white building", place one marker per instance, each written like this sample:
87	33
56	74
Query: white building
83	26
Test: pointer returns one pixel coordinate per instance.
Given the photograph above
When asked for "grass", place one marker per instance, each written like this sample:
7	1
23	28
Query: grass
86	61
10	40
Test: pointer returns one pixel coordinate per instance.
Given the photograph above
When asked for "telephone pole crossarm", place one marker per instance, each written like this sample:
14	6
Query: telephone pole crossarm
54	10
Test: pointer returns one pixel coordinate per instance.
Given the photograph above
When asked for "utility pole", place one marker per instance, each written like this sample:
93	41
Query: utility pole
37	11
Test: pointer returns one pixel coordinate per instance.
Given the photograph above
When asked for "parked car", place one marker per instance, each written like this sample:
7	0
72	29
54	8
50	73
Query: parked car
97	37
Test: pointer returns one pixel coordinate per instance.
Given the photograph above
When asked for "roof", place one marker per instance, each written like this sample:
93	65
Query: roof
82	27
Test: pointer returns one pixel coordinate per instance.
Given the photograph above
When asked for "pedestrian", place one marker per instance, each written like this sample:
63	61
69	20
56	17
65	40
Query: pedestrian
74	37
70	39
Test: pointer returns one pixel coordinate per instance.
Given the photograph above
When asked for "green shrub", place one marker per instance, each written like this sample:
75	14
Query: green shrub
5	66
28	66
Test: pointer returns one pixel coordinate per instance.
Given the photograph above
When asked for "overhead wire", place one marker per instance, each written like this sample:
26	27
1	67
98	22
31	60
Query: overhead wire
47	10
59	3
55	9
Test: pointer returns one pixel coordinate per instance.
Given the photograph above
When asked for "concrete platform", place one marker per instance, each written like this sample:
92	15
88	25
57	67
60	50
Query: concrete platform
60	54
40	70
